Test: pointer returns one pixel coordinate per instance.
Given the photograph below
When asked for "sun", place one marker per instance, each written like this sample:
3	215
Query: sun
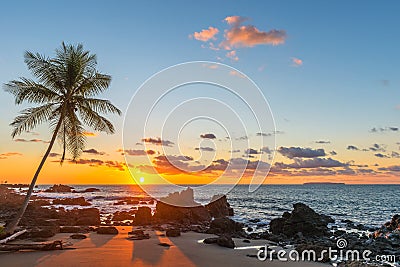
141	179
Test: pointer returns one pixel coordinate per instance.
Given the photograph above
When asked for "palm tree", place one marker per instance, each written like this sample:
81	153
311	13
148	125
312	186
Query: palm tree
65	92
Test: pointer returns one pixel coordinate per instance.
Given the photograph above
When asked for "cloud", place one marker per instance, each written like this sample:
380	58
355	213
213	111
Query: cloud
394	168
395	154
53	154
205	35
9	154
386	129
351	147
234	151
241	138
235	20
322	142
237	74
89	134
232	55
266	150
205	148
31	140
251	151
157	141
248	35
296	62
298	152
312	163
100	163
137	152
263	134
380	155
333	153
377	147
93	151
208	136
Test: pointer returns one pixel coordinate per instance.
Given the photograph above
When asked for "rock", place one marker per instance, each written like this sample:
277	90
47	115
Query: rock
184	198
173	232
138	235
73	229
71	201
143	216
223	241
90	216
109	230
164	244
225	225
87	190
219	207
78	236
59	189
302	219
123	215
41	232
189	215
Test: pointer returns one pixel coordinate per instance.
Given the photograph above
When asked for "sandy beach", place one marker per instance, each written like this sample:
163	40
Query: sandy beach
115	250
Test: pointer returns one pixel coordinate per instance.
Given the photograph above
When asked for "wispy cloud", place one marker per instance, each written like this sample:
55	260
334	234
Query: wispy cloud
30	140
157	141
137	152
9	154
208	136
298	152
384	129
93	152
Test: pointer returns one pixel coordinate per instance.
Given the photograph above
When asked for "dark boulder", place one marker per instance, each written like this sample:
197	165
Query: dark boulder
302	219
223	241
78	236
143	216
219	207
109	230
190	215
59	189
225	225
173	232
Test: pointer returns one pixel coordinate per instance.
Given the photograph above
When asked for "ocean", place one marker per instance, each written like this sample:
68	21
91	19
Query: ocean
370	205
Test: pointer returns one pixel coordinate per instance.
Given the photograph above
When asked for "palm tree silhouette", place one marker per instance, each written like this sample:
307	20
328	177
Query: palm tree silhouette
65	91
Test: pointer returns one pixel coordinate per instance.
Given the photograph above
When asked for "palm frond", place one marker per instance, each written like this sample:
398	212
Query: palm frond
75	140
30	91
93	85
30	118
95	120
98	105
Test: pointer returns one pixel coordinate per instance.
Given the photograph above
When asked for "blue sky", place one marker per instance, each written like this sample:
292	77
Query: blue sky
348	82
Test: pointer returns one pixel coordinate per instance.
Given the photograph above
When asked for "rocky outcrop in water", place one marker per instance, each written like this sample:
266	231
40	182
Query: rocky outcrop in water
59	188
219	207
80	201
302	220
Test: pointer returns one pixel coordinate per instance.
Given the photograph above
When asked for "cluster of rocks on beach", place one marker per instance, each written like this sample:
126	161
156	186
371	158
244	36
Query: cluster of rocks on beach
302	228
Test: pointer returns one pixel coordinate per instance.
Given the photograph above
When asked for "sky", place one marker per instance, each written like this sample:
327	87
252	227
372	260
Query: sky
329	73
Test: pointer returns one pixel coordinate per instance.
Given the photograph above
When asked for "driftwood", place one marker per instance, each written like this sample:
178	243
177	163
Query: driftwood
11	237
55	245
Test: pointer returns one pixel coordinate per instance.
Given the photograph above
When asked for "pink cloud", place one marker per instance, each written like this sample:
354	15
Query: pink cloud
205	35
235	20
297	62
232	55
9	154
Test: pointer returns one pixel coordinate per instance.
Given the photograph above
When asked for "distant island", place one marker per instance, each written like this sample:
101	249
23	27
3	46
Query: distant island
323	183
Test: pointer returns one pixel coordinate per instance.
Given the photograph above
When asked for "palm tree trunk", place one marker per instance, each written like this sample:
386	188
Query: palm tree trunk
14	223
